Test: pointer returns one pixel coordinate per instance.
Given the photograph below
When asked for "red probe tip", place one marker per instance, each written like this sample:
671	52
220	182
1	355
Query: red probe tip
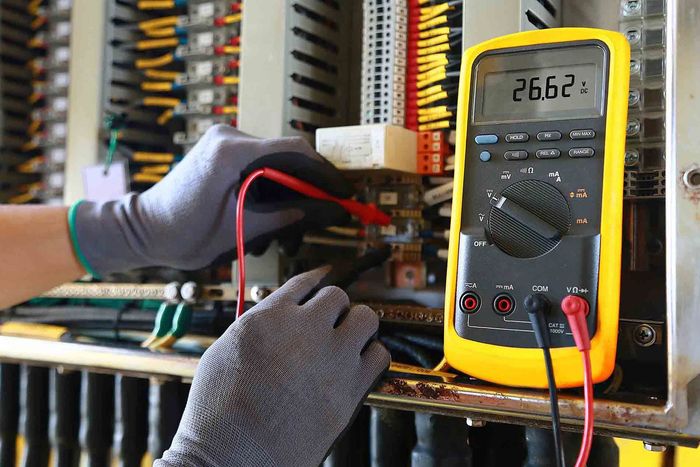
576	308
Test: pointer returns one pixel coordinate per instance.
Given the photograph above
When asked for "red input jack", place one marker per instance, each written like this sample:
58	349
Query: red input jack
503	304
470	302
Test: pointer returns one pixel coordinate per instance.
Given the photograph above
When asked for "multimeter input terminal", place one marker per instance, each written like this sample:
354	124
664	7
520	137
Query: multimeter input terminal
470	302
503	304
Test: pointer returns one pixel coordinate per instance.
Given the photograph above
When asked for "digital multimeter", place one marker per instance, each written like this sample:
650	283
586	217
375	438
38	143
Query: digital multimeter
537	204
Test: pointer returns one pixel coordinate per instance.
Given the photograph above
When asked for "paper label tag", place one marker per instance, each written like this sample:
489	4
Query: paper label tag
99	186
206	10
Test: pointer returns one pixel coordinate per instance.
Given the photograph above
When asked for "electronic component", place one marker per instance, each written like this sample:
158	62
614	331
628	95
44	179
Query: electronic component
537	201
368	147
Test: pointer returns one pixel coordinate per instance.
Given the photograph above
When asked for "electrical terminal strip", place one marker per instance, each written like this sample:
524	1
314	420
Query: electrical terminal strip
384	61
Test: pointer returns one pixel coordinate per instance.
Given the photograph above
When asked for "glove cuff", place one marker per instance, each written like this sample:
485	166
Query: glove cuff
72	214
100	242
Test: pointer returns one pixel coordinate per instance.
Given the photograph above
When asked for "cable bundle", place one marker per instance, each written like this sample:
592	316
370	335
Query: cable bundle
175	74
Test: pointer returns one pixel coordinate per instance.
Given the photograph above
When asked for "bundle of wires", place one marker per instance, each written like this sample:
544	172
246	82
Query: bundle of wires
23	75
434	58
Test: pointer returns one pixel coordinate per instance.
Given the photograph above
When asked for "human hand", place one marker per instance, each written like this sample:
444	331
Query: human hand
188	219
282	383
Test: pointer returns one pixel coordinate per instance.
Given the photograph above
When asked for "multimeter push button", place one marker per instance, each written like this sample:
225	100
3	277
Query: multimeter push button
548	153
548	136
582	134
486	139
581	152
517	137
485	156
515	155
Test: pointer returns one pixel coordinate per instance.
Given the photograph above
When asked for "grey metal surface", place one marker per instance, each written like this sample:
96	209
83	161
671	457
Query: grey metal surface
683	215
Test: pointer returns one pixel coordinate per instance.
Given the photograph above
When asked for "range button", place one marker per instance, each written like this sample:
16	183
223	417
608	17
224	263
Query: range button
581	152
582	134
517	137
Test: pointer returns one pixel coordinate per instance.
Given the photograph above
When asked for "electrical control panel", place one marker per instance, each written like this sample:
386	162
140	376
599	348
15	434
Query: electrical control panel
537	204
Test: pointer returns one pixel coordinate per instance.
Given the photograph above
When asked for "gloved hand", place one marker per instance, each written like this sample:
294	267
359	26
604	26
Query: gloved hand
188	219
282	383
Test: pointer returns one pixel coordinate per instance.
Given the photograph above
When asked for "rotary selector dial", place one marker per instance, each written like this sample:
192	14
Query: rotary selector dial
528	218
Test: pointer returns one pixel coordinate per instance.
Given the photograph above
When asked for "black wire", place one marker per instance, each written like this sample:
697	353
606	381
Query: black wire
554	406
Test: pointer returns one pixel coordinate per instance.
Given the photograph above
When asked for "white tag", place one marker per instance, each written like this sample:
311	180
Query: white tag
59	104
57	155
204	68
206	10
388	230
205	96
61	80
58	130
62	54
63	29
205	39
100	187
56	180
62	5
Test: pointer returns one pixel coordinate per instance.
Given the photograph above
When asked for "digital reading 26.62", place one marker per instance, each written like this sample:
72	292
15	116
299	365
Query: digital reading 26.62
539	85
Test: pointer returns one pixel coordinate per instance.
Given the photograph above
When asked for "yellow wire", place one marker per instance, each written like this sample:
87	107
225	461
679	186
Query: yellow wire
165	117
158	23
434	126
434	116
160	32
430	58
154	157
162	74
433	41
437	21
155	4
34	126
433	32
154	62
38	22
161	169
434	49
230	19
157	86
431	12
429	91
230	80
228	109
431	65
231	49
141	177
433	110
432	98
161	101
151	44
431	79
431	72
23	198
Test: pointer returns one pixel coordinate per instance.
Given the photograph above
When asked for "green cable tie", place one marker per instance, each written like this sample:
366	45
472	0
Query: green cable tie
72	213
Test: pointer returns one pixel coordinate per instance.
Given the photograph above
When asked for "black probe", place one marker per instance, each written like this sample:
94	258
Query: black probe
537	306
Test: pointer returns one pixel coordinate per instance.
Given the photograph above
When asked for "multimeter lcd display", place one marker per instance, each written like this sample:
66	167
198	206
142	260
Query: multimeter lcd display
540	85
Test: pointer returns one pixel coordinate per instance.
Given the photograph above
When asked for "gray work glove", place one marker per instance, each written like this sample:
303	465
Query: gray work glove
282	383
188	219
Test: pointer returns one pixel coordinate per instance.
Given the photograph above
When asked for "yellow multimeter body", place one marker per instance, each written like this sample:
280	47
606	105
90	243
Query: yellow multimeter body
537	203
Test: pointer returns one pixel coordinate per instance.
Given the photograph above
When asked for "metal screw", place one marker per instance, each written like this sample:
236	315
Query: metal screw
633	97
635	67
474	423
691	178
172	291
189	291
633	127
632	6
644	335
633	36
259	293
631	157
654	447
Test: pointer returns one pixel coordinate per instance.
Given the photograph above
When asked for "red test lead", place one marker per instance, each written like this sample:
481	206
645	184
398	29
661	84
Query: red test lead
366	213
576	308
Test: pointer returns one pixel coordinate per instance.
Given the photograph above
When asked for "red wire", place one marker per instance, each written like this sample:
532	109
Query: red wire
240	237
589	413
367	213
